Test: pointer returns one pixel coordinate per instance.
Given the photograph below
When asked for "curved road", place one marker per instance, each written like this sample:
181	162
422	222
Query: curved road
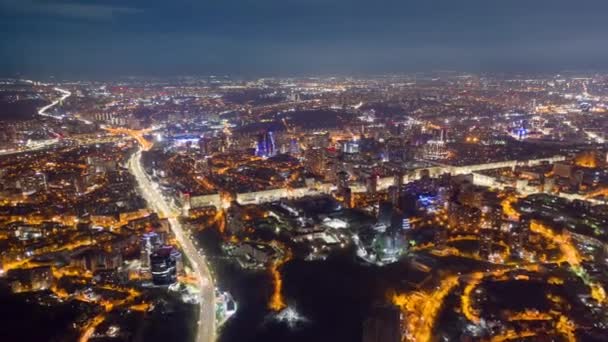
65	95
150	191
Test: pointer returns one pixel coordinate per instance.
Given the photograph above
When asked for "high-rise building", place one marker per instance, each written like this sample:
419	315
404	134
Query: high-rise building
393	194
519	236
315	160
342	177
486	244
209	145
149	242
491	217
440	239
347	195
385	213
179	261
463	217
163	265
265	146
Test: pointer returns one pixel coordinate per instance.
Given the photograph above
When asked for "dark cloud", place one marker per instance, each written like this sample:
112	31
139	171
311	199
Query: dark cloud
114	37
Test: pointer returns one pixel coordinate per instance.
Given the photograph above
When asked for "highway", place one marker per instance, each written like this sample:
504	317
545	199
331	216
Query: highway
152	194
65	95
138	135
36	146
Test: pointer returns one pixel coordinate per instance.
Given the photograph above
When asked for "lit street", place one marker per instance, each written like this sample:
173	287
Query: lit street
150	192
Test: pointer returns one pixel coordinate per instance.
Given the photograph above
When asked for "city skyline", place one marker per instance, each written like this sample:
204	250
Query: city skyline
303	170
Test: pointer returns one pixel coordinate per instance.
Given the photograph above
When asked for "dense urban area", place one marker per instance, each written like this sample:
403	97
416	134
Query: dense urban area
439	206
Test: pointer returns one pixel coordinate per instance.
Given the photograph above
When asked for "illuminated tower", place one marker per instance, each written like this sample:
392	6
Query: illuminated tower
521	131
266	146
163	265
146	251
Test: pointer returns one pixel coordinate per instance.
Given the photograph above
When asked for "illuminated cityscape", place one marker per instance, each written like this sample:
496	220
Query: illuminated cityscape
430	205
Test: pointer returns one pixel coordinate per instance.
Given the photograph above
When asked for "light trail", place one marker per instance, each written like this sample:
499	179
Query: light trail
65	95
465	300
206	322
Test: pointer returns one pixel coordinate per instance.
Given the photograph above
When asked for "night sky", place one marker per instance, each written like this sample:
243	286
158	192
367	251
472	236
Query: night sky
87	38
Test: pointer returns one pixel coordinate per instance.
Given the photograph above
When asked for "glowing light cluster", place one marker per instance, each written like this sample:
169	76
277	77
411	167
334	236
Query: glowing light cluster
530	315
571	256
587	159
277	301
465	300
507	208
513	335
291	317
422	308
